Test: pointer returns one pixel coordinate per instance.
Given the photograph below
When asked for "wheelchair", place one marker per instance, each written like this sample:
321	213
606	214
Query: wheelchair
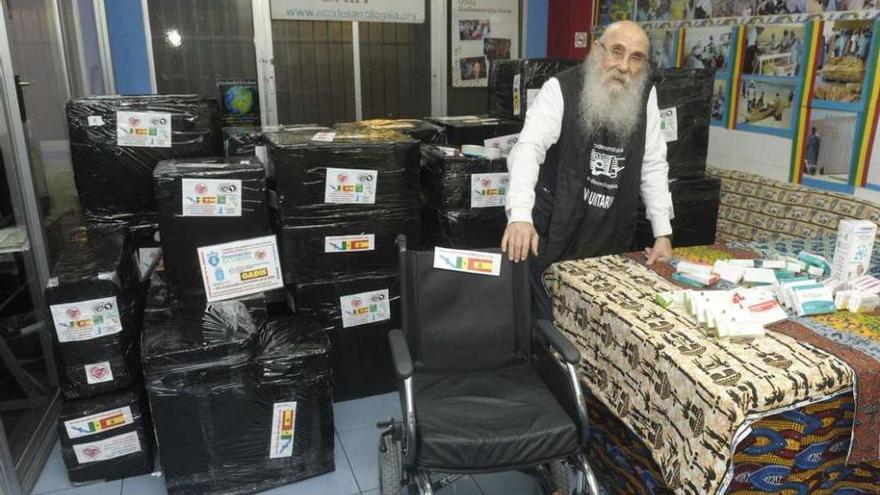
482	388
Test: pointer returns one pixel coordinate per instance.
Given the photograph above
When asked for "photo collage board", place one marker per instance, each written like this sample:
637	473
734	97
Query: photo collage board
804	70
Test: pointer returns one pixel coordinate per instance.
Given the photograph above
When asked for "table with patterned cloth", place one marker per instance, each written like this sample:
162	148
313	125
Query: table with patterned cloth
715	416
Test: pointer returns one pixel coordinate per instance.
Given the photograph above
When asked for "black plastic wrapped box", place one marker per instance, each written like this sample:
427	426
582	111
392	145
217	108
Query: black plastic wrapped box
357	312
95	303
207	201
242	141
107	437
424	132
684	97
462	229
356	176
322	251
475	129
695	203
113	159
514	83
240	403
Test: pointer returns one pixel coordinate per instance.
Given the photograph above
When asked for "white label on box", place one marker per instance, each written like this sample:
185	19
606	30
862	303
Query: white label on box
95	120
517	104
146	257
98	373
324	137
283	429
467	261
210	197
143	129
669	124
86	320
110	448
489	190
502	143
853	249
531	94
98	423
351	186
364	308
240	268
350	243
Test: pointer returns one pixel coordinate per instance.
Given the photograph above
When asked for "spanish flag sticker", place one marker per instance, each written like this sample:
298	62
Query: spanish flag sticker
467	261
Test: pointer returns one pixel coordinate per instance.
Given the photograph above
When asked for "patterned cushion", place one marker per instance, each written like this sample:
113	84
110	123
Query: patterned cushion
755	208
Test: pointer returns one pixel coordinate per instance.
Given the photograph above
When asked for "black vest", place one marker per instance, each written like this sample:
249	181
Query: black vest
587	195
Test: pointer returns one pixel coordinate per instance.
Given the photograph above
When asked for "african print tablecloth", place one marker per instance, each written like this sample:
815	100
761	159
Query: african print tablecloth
690	398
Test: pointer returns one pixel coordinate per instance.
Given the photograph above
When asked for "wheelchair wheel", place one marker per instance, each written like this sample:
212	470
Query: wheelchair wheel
390	466
560	475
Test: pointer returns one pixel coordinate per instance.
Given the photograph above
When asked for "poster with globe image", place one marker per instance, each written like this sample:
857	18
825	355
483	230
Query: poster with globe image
239	101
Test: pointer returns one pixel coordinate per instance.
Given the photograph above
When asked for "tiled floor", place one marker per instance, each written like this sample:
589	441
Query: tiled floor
356	464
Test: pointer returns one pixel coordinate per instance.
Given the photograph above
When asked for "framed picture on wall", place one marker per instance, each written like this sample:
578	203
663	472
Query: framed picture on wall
774	50
767	105
707	47
843	62
829	151
616	10
819	6
664	47
734	8
719	102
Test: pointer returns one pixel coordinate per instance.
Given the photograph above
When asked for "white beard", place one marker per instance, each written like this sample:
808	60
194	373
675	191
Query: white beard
615	109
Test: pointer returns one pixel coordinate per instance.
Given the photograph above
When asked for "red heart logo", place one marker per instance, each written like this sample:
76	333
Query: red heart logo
99	372
92	452
73	313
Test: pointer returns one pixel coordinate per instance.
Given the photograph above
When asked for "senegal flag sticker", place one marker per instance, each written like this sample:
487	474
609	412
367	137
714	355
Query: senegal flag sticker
467	261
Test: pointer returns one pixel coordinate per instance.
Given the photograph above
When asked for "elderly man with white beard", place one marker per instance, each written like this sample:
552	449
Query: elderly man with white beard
590	146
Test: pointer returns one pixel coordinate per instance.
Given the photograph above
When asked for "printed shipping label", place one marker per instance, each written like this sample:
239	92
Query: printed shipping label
98	423
143	129
210	198
517	104
669	124
240	268
502	143
95	120
86	320
467	261
110	448
489	190
283	429
364	308
98	373
326	137
350	243
351	186
531	94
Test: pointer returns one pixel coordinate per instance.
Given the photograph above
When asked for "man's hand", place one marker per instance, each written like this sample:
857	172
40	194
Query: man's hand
661	252
518	238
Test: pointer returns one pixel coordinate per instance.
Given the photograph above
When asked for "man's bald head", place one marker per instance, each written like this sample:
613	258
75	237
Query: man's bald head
627	32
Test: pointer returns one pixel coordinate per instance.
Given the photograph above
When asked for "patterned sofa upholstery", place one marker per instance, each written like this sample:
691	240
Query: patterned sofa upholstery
755	208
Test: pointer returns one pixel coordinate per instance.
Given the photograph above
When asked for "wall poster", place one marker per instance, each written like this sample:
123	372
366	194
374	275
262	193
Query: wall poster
482	31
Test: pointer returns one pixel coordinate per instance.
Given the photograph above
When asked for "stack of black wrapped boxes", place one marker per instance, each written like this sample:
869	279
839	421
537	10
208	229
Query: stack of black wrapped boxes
95	302
343	197
684	97
514	84
117	141
255	380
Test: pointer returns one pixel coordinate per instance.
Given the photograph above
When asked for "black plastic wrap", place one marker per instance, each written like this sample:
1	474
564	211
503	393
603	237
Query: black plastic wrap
361	356
95	305
116	181
238	183
107	437
424	132
302	178
144	233
511	100
695	202
242	141
219	377
689	92
318	252
463	229
475	129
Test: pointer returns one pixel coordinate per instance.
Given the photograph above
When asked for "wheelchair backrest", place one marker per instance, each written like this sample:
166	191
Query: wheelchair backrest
458	321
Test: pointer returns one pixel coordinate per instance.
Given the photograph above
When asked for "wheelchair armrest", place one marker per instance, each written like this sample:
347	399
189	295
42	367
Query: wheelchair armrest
400	354
562	345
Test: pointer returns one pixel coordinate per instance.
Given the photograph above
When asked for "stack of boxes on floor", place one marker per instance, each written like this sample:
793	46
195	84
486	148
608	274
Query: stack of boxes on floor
343	197
95	301
684	97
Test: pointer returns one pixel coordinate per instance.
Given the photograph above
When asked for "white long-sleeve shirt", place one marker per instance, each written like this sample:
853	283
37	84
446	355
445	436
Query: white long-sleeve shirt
541	131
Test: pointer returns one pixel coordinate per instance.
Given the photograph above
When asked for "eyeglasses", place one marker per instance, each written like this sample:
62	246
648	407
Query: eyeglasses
617	54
